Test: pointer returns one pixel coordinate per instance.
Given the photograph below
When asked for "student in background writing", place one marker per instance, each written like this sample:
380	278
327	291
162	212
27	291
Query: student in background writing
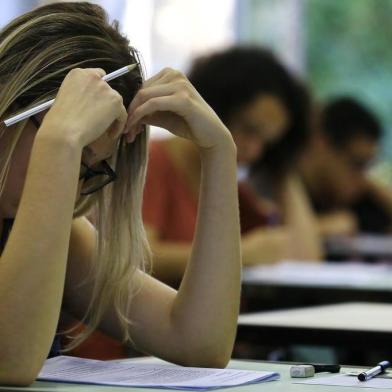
334	167
265	109
53	257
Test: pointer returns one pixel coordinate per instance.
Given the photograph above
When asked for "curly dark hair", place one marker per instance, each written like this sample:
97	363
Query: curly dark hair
344	118
231	79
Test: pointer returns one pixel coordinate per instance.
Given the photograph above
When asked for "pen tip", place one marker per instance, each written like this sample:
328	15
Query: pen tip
131	66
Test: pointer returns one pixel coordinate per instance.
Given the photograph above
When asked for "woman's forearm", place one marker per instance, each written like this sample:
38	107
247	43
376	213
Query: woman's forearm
33	264
211	284
302	224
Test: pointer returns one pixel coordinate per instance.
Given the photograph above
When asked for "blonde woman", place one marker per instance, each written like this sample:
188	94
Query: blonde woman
89	150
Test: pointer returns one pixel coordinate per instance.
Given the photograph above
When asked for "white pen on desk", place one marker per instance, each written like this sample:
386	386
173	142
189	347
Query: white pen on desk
46	105
380	368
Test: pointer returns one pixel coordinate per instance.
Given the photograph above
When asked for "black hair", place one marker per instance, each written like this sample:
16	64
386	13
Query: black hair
231	79
345	118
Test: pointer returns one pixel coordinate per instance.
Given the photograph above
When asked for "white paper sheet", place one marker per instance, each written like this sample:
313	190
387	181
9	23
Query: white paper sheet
345	380
87	371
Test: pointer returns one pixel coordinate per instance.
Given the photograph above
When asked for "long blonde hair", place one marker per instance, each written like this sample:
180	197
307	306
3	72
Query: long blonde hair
37	50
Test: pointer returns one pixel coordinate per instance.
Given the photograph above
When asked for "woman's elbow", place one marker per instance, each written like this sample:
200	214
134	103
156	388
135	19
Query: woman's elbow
17	380
18	376
218	362
210	358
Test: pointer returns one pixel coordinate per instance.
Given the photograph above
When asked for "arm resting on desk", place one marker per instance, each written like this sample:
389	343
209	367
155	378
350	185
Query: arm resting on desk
197	325
301	222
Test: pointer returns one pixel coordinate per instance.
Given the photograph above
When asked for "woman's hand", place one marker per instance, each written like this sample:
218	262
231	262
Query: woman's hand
169	100
265	245
85	107
337	223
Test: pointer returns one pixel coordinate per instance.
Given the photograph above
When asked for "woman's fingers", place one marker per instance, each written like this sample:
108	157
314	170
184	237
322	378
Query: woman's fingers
147	93
157	104
98	71
170	101
150	81
164	83
119	124
163	76
153	105
167	83
146	111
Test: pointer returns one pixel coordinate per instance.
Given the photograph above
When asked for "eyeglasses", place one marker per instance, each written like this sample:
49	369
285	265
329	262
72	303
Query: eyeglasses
94	177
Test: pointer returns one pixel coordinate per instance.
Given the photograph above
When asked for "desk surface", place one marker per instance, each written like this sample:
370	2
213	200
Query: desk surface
344	275
363	326
291	284
361	316
283	385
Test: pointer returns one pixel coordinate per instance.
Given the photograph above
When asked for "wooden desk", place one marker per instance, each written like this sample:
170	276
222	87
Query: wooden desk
359	326
283	385
292	284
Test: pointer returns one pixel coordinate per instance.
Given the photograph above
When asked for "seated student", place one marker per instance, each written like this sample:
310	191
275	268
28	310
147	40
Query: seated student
56	165
343	145
263	106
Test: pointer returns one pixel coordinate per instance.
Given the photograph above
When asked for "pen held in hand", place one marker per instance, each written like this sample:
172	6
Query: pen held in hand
46	105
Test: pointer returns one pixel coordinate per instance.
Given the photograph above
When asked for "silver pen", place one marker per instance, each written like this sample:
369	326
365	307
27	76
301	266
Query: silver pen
46	105
379	369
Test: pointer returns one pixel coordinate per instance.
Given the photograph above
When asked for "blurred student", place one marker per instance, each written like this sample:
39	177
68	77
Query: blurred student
334	169
266	110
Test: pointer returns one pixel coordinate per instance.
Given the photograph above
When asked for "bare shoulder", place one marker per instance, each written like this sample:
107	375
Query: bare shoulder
82	246
83	238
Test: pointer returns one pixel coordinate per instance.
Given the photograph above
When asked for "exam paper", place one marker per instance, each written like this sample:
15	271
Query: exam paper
345	380
87	371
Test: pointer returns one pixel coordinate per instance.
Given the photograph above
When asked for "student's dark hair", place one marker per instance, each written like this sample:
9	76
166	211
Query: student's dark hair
345	118
230	79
